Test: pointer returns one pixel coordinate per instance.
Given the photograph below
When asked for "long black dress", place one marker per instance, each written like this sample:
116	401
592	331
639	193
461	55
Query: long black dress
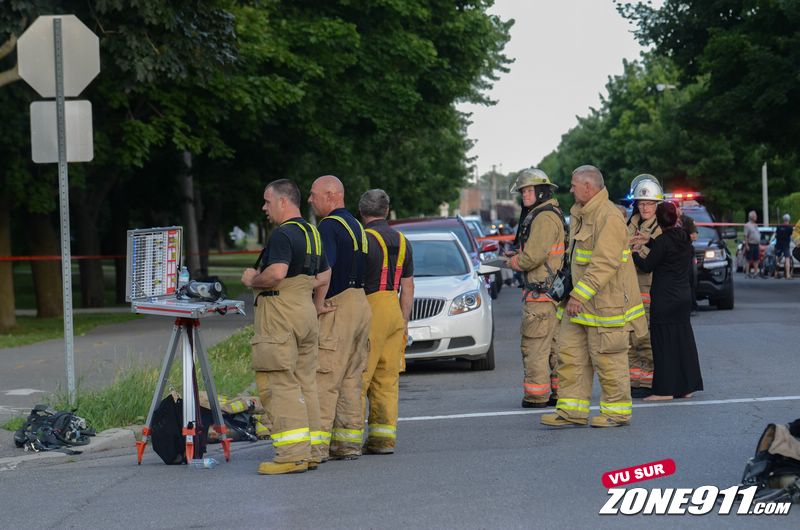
677	369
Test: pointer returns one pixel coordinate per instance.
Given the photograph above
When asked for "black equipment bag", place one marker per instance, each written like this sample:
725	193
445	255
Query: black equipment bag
47	430
776	475
165	431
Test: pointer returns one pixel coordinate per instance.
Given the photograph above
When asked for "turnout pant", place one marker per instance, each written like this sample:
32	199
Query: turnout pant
284	350
584	350
538	328
343	343
640	357
381	380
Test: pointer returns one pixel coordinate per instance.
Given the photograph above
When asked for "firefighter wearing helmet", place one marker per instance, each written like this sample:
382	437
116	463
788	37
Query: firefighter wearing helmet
642	226
541	253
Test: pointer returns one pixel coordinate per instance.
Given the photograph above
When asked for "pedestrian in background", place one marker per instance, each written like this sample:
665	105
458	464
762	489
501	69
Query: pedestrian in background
752	241
783	238
390	272
540	257
343	333
677	369
602	309
291	267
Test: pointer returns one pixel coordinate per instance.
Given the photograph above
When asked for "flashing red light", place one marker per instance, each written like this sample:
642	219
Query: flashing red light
690	195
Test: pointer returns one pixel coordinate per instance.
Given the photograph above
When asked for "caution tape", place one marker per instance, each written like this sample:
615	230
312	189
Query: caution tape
115	256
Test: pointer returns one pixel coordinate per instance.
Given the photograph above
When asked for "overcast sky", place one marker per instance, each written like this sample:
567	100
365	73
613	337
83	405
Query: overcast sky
564	50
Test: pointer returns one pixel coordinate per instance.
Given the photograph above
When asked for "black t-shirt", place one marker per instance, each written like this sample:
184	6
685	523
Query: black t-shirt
783	234
375	257
287	244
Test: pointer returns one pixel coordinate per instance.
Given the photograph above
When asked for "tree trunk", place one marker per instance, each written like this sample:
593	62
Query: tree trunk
44	240
186	181
120	216
7	306
88	243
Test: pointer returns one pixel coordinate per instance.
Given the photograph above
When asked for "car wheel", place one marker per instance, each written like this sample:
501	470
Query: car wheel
725	301
487	362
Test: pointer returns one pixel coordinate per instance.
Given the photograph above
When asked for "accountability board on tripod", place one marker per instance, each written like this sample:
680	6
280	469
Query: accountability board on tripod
154	256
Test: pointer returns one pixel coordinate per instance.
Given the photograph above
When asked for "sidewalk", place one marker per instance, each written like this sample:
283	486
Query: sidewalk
29	373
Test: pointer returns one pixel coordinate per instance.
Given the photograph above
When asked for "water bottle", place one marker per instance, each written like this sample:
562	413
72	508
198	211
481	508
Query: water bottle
183	277
203	463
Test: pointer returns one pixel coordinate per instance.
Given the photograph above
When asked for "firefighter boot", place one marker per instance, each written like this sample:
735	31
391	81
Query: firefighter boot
557	420
282	468
605	421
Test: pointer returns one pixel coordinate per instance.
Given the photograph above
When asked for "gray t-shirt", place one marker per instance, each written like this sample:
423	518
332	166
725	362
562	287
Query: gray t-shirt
751	235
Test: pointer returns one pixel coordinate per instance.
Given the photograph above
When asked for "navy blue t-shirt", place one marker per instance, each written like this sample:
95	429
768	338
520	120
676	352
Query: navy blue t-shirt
783	234
338	248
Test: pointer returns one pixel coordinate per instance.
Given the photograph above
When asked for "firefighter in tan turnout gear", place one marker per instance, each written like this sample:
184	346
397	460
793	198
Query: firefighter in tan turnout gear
602	308
390	271
344	332
540	256
290	268
642	226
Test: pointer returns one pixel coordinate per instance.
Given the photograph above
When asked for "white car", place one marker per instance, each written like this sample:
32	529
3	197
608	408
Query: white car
452	314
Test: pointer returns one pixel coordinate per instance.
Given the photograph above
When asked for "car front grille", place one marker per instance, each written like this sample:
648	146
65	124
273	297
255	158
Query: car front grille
426	308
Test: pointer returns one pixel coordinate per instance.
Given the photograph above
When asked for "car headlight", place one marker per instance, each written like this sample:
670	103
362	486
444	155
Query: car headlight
715	254
465	303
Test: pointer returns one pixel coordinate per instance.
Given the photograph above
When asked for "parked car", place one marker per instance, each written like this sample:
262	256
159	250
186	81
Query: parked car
478	252
766	233
771	265
452	314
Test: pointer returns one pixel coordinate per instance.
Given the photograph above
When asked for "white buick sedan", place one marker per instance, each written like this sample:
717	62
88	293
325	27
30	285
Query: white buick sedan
452	315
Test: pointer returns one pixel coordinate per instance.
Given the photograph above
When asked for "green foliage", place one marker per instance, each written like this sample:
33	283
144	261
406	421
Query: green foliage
14	424
791	205
127	400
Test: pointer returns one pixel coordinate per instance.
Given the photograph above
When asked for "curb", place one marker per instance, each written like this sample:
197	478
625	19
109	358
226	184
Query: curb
104	441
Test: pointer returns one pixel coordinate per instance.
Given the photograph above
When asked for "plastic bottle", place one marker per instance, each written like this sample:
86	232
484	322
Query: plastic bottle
183	277
203	463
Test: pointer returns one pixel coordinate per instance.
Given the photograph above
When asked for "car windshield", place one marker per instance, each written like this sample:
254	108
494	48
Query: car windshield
438	258
699	215
706	232
460	232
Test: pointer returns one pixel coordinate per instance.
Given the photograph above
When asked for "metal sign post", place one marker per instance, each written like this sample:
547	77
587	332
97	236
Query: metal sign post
63	193
74	62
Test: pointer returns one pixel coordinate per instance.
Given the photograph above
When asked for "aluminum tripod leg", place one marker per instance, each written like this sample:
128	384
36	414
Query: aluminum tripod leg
189	409
211	390
162	383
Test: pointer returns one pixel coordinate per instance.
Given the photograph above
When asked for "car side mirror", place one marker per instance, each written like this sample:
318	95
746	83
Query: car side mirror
489	246
729	232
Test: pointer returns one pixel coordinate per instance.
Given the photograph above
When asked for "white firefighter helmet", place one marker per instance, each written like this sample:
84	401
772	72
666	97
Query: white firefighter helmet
640	178
648	190
531	177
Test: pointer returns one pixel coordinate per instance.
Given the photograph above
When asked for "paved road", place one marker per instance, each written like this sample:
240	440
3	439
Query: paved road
468	456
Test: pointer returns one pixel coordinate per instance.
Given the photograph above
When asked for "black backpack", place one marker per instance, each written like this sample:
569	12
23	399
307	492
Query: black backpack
166	432
47	430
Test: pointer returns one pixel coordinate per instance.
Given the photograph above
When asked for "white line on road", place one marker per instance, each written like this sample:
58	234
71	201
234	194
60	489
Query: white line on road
671	403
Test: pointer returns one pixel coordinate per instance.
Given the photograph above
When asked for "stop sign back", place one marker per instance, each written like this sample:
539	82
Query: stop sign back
36	55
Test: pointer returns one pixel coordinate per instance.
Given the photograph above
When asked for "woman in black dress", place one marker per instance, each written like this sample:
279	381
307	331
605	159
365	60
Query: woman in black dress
677	370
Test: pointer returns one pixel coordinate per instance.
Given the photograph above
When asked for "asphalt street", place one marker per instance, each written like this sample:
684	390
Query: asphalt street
467	455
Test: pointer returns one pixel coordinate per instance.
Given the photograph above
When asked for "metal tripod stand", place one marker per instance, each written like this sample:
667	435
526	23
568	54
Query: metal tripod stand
188	329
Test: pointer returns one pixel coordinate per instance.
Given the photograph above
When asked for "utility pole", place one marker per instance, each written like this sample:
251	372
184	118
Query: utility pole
764	205
493	196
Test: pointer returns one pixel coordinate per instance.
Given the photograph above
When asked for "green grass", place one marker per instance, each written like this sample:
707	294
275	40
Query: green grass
25	296
127	400
14	424
30	330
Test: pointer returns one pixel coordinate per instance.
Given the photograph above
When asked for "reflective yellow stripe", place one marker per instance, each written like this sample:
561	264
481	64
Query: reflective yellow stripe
588	319
625	254
382	244
623	407
584	291
381	430
560	313
634	312
291	437
364	245
580	405
582	256
260	429
347	435
320	437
